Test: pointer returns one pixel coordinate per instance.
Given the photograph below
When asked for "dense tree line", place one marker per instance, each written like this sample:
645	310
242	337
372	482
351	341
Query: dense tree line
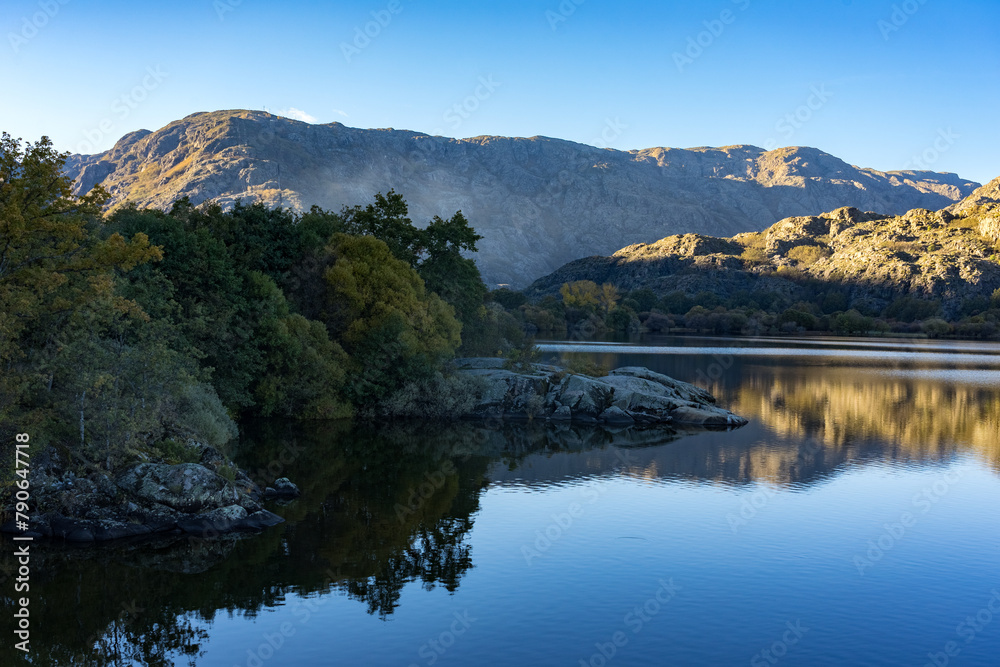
123	334
586	308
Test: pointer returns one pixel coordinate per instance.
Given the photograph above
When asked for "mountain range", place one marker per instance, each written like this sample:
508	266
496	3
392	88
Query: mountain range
950	257
538	202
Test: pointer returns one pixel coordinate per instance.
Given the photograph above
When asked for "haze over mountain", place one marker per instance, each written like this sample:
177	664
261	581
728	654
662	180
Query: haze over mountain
538	202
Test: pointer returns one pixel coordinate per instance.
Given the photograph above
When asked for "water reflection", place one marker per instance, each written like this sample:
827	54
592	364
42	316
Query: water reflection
384	507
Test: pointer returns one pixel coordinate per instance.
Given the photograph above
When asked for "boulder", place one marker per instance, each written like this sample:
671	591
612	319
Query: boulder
187	487
214	522
282	488
700	416
563	413
615	416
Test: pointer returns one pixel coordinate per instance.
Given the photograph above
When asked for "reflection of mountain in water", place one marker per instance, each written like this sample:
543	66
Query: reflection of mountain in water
915	415
384	507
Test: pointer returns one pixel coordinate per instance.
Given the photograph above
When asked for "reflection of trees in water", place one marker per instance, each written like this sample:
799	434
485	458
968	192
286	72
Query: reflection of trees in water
437	556
149	603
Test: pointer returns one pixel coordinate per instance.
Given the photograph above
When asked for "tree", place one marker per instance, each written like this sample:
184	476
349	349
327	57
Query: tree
455	278
303	369
53	263
207	296
583	294
386	220
378	308
608	297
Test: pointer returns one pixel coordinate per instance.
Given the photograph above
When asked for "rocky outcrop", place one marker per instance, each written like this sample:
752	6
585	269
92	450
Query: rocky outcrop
873	258
625	396
983	196
147	499
537	202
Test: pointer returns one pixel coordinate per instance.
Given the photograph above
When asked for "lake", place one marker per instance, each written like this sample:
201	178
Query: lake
854	521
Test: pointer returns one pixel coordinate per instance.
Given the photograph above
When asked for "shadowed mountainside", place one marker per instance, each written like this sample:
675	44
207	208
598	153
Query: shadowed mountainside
538	202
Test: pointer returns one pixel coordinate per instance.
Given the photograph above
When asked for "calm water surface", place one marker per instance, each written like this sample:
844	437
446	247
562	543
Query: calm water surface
854	522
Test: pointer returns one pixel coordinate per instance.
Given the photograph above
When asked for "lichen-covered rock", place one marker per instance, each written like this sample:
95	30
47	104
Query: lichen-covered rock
213	522
187	487
990	228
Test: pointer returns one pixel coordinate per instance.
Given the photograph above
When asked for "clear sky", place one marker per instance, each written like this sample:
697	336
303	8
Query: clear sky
888	84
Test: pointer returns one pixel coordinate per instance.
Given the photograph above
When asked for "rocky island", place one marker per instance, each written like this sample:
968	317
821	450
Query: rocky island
626	396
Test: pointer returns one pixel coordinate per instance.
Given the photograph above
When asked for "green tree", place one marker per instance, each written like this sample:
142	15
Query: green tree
387	220
378	308
303	369
455	278
53	263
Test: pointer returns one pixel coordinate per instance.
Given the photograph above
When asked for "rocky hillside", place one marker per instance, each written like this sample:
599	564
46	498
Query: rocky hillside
949	256
538	202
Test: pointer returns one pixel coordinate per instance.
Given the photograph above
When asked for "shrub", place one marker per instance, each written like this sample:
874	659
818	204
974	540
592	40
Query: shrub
202	414
622	319
658	322
587	366
911	309
807	255
935	327
520	359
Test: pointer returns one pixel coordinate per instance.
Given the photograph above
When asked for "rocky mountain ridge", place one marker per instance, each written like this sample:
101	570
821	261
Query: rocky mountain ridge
538	202
949	256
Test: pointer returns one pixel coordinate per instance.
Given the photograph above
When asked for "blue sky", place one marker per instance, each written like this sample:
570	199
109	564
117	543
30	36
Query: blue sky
886	84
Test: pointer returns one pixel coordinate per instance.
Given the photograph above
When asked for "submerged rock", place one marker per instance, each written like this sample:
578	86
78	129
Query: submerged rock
625	396
282	488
